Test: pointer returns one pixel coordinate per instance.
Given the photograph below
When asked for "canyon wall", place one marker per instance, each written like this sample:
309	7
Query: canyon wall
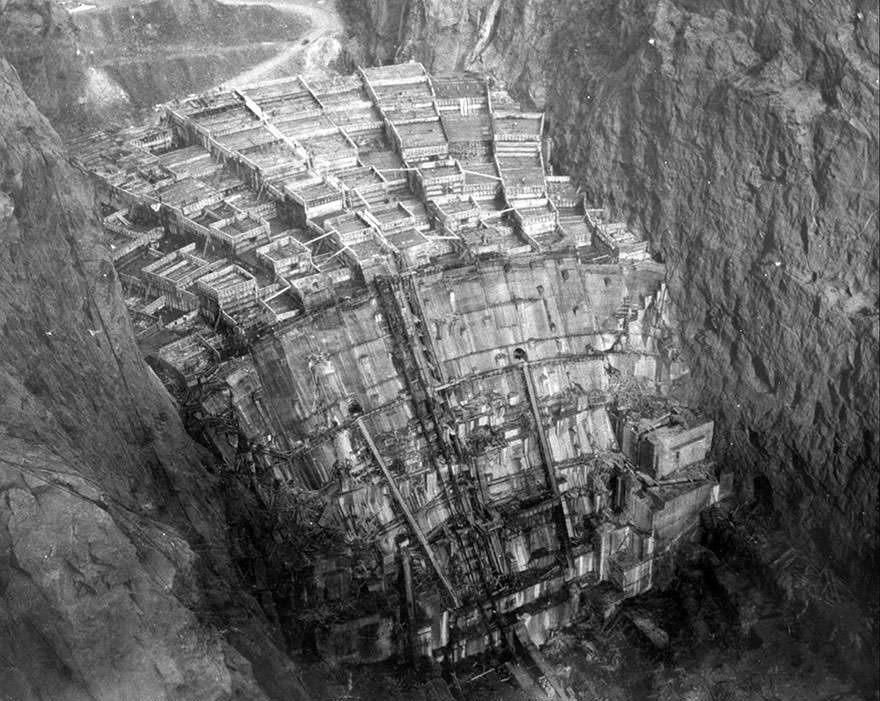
147	81
156	51
160	23
39	40
113	64
115	577
743	138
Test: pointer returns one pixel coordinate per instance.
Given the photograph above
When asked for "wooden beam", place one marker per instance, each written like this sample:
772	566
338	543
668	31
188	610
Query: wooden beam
547	456
414	526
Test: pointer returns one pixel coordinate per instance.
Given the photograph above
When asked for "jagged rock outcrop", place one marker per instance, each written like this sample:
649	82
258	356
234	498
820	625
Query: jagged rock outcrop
39	40
743	138
115	578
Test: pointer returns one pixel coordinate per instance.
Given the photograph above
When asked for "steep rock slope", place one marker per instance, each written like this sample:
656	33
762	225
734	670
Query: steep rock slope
113	564
162	49
743	138
39	40
112	63
746	142
507	38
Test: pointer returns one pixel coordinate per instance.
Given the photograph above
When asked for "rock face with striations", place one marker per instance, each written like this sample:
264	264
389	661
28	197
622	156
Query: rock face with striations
743	138
114	569
39	40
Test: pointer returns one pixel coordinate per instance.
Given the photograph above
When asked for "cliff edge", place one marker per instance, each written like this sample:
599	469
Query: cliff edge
115	578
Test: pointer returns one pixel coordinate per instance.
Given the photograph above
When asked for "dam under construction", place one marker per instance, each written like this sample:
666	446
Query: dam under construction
448	377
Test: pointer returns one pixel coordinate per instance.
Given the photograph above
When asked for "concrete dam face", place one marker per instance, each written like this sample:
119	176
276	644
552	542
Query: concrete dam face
377	306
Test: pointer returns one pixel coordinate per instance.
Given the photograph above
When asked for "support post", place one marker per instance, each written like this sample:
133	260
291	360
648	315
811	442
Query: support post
407	584
562	515
405	565
414	526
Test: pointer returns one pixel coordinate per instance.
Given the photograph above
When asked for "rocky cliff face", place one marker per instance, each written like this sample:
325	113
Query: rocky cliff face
39	40
156	51
113	63
115	579
743	139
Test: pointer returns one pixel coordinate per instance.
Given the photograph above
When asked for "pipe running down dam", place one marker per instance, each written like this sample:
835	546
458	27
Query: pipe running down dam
379	308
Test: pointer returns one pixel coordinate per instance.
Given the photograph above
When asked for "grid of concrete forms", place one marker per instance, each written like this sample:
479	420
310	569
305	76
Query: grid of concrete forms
436	329
393	146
